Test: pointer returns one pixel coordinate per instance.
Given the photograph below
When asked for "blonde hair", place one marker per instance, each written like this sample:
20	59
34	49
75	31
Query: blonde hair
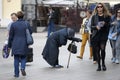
105	10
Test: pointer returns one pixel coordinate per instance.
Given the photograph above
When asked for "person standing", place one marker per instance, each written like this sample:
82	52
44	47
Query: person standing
115	30
17	42
51	20
14	19
86	34
100	24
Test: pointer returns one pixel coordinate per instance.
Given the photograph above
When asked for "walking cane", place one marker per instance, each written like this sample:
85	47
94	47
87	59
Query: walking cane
69	56
72	48
69	60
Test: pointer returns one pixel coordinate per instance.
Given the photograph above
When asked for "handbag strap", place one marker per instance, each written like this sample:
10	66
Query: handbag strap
26	24
73	42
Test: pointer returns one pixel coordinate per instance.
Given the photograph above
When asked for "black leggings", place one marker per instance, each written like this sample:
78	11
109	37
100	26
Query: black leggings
99	51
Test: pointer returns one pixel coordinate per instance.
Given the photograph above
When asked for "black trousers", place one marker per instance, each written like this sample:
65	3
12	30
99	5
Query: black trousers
99	51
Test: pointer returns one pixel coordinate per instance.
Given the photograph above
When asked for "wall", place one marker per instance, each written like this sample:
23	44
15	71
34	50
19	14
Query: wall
0	11
8	7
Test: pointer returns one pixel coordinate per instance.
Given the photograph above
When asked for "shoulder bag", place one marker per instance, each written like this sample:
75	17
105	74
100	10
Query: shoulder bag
29	36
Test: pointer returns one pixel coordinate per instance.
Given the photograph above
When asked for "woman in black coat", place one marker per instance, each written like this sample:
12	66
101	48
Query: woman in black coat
100	24
18	43
57	39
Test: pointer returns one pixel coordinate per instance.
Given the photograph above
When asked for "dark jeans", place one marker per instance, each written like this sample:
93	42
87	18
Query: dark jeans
19	59
99	51
57	62
51	27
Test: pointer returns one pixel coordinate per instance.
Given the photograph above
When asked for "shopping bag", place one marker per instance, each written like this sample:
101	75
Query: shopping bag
29	55
5	50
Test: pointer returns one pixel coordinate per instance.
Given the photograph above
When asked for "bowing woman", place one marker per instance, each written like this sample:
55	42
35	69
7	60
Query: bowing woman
55	40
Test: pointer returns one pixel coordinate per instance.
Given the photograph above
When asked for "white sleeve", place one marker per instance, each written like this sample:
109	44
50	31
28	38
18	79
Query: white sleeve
9	25
89	23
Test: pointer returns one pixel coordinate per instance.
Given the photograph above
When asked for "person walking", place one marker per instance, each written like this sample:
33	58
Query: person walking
115	38
17	42
86	35
13	18
100	24
51	20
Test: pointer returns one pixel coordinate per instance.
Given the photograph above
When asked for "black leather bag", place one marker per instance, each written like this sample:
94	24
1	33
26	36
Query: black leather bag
72	48
29	55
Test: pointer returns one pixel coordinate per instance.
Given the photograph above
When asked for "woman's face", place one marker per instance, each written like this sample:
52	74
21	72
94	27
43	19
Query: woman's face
99	8
118	13
88	14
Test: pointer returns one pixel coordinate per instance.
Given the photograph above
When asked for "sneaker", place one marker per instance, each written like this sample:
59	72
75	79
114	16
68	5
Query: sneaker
23	72
117	61
80	57
113	60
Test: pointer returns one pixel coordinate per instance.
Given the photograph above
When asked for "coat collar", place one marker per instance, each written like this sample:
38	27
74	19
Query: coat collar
20	19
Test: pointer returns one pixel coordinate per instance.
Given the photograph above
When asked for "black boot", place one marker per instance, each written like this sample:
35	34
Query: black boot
99	65
99	68
104	68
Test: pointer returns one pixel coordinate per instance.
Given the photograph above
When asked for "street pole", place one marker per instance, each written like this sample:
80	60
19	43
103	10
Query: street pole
35	20
87	4
36	4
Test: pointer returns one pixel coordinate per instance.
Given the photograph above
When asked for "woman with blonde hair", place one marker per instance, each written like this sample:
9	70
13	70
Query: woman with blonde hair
100	24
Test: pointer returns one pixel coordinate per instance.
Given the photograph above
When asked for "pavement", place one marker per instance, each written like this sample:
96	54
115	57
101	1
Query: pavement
40	70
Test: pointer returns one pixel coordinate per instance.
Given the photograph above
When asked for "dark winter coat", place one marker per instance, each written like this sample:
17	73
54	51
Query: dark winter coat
101	34
17	37
52	16
51	50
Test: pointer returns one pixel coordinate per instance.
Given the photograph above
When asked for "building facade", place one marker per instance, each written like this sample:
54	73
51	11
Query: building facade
6	8
0	11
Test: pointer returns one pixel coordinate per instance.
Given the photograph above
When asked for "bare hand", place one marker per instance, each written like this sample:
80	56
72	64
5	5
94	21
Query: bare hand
103	22
98	27
90	32
114	23
115	34
8	50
